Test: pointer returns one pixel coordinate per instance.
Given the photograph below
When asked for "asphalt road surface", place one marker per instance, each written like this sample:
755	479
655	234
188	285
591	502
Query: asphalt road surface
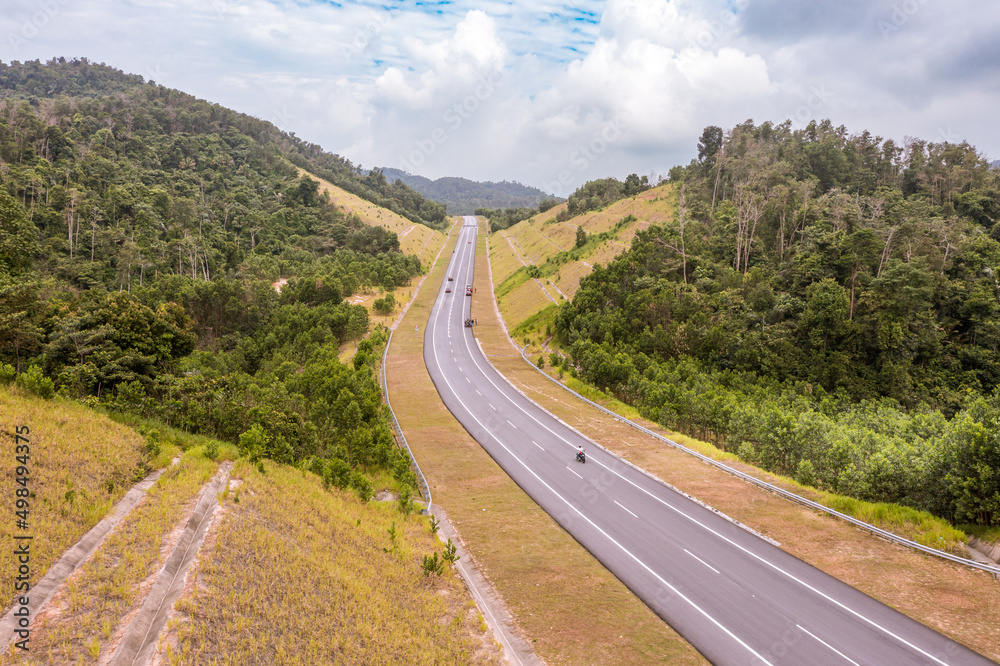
735	597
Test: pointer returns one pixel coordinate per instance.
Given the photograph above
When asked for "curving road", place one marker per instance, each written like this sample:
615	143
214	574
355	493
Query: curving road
735	597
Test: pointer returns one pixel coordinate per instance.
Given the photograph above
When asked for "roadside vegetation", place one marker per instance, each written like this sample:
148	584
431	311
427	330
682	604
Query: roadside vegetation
821	306
145	237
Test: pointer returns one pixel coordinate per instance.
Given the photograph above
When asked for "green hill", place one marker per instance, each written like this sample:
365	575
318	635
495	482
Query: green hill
141	231
821	303
463	196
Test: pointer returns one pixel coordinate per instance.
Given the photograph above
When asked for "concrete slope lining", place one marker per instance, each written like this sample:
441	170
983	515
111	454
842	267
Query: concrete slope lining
140	639
43	591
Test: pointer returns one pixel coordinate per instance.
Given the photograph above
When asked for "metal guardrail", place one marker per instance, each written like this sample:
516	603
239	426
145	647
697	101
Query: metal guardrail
889	536
399	431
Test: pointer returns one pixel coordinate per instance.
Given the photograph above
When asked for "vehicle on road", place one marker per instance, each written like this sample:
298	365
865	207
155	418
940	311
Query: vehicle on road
447	290
581	456
468	291
451	279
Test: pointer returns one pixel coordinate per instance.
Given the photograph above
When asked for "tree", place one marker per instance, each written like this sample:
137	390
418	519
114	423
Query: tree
709	145
581	237
18	237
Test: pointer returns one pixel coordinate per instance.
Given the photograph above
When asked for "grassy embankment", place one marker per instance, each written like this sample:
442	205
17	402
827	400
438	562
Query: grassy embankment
565	602
960	602
550	245
415	239
299	574
81	464
89	613
370	602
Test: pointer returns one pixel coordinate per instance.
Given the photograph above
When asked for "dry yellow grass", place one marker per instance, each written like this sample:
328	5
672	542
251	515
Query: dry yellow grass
81	464
540	238
571	608
87	612
415	239
301	575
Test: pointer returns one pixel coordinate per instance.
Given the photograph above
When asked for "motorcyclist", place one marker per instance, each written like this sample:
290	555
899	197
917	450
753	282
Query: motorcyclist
581	455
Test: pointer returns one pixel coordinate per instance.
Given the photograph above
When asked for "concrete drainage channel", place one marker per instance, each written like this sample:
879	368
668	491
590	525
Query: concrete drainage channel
43	591
140	638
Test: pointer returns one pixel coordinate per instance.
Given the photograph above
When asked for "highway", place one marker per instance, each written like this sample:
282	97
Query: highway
736	598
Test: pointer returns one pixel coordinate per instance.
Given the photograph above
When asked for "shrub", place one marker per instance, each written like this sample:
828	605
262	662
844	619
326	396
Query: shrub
35	381
432	564
212	450
805	473
406	500
384	305
7	374
449	553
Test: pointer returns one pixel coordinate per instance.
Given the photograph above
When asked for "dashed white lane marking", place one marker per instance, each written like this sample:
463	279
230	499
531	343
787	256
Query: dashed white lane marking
537	444
626	510
820	640
468	380
701	560
493	408
512	425
577	511
477	391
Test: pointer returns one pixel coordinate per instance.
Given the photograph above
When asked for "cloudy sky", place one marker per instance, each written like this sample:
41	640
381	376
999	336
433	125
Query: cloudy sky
542	92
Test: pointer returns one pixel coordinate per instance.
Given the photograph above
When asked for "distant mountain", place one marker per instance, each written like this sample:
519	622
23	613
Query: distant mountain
463	196
995	164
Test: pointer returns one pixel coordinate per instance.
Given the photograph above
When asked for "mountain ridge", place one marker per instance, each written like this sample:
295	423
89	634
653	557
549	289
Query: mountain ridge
463	196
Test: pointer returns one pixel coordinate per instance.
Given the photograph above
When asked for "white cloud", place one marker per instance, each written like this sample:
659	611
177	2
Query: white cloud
540	89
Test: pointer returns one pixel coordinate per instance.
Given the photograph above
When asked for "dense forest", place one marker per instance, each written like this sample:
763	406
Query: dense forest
132	108
824	304
141	232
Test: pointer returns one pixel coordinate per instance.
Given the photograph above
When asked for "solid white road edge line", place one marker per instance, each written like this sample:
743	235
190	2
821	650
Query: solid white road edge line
584	517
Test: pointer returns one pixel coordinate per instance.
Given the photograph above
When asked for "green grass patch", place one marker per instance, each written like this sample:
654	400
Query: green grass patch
538	323
987	533
517	278
919	526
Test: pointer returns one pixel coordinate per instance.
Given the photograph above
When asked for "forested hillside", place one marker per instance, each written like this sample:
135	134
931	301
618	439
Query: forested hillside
463	196
824	304
141	230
